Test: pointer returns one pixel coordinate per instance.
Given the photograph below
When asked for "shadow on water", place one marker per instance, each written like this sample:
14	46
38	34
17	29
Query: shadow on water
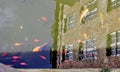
27	59
53	58
46	58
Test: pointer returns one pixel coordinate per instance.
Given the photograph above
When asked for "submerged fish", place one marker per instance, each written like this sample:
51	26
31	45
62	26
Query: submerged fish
16	57
43	57
23	63
18	44
44	18
37	49
36	40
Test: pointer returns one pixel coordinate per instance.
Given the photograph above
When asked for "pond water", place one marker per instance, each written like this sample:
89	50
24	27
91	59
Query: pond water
25	32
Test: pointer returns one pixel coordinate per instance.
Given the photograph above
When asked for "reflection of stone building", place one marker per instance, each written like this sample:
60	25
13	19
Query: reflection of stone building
87	20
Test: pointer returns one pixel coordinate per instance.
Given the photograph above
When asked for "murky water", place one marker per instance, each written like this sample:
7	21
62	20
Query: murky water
25	24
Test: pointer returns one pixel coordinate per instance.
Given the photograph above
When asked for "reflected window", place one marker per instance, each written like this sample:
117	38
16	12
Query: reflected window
71	20
113	44
113	4
89	49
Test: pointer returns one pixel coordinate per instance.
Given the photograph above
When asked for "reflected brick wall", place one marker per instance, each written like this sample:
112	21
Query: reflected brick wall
102	61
